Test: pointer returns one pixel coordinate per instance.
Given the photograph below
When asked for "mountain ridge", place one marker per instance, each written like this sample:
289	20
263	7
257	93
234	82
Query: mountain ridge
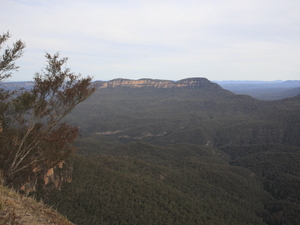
147	82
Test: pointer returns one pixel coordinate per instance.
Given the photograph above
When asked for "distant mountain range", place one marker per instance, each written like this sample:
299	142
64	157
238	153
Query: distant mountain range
16	85
259	84
263	90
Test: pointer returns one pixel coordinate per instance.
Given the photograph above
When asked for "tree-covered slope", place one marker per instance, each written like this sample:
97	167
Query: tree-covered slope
194	186
198	115
278	168
197	154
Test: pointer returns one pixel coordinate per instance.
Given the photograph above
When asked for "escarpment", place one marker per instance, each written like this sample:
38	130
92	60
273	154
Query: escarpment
189	83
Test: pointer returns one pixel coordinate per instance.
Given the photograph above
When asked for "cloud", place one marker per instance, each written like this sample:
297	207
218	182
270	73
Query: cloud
160	39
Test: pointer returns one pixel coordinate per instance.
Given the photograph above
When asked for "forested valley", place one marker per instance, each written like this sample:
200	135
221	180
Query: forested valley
182	155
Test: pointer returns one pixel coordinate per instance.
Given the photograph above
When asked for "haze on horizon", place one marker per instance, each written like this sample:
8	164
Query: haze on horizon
173	40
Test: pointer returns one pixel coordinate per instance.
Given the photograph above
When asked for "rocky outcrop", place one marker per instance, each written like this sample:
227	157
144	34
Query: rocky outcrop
189	82
58	175
136	83
52	178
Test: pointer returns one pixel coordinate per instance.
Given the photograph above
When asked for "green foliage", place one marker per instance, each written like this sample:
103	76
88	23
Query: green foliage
278	167
192	190
33	138
9	56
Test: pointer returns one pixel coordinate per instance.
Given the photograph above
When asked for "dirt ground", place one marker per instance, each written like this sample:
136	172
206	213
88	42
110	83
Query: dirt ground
17	210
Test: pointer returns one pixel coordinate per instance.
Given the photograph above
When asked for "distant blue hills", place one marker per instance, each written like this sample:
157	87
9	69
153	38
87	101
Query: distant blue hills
263	90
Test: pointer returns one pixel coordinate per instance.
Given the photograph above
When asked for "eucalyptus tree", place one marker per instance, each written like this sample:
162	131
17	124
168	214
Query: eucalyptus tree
34	138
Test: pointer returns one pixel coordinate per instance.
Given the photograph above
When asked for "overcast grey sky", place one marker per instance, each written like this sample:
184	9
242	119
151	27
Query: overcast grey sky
161	39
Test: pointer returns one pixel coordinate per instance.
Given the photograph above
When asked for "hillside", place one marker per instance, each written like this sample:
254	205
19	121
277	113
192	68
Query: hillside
198	115
164	152
15	209
192	188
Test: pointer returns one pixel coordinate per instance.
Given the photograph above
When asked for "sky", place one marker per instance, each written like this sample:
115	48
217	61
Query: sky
159	39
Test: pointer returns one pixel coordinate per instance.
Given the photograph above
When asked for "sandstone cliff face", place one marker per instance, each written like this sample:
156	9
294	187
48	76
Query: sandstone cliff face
58	175
189	82
136	83
53	178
